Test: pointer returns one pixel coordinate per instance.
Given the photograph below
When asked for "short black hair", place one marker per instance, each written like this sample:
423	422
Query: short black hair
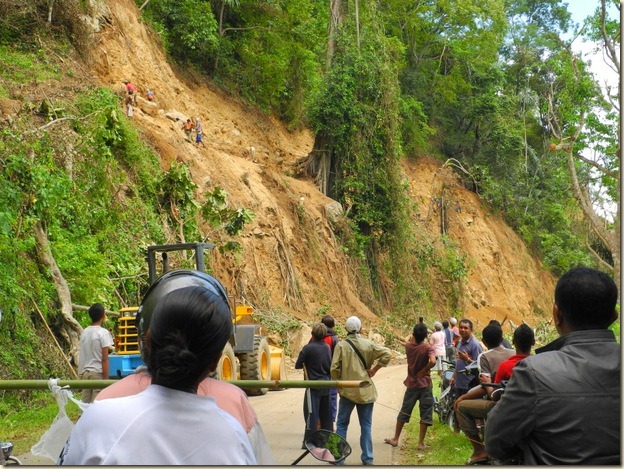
96	311
492	335
328	321
586	298
445	324
467	321
496	322
420	332
523	338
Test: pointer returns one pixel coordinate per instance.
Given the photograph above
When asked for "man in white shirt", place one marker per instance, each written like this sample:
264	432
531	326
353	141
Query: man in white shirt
94	344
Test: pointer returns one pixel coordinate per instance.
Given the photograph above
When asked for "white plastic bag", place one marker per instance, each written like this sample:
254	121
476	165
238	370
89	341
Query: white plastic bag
52	442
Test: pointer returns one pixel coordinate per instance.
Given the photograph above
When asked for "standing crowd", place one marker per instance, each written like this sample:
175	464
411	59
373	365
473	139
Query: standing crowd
558	406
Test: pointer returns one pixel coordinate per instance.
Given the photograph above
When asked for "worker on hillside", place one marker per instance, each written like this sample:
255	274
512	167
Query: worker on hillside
188	129
199	132
131	90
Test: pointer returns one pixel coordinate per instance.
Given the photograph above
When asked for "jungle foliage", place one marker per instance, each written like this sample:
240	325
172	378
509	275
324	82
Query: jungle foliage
493	84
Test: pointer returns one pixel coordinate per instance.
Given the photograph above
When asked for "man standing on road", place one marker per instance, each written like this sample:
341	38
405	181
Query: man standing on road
449	341
353	360
315	359
563	405
421	358
94	344
331	339
437	342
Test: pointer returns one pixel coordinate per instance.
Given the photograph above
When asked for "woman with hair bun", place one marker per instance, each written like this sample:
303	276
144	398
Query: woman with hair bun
168	423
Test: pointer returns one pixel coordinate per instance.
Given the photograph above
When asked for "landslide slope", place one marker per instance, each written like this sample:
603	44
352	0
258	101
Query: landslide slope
291	259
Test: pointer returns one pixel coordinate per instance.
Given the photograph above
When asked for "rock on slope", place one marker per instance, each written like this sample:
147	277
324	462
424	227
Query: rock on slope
290	256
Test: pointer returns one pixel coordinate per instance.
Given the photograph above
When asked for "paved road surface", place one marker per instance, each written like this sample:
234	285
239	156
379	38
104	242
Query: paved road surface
281	416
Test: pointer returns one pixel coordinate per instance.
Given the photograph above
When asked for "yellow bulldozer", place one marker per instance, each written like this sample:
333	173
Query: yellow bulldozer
246	356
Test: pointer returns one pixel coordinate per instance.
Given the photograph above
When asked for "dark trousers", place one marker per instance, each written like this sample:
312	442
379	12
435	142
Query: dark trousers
317	407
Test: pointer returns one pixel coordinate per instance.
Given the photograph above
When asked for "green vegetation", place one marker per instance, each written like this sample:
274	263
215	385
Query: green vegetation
473	82
494	85
26	418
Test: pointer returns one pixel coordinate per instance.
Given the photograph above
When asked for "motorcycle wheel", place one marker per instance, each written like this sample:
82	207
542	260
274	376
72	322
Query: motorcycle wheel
451	421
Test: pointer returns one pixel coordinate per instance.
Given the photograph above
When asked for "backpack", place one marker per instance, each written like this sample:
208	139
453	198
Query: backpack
331	340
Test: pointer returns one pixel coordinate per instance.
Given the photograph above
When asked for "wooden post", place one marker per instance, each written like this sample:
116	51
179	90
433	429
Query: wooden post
56	341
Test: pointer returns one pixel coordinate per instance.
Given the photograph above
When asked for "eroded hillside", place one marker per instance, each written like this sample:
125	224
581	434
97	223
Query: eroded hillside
291	258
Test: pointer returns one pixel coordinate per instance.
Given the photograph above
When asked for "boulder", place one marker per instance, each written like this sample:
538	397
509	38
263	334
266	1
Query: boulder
299	339
334	212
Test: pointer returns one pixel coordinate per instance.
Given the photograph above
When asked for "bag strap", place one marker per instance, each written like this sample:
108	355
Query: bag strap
358	353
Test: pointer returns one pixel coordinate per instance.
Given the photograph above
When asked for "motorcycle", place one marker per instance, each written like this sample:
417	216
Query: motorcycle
443	404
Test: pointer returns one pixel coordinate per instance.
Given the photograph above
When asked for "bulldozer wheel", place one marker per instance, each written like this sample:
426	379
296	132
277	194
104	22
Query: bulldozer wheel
226	369
256	365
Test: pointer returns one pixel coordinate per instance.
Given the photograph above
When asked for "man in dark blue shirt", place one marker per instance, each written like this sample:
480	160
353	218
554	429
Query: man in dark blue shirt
315	359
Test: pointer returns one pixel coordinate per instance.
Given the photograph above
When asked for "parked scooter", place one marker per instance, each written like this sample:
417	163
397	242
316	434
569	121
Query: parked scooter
443	405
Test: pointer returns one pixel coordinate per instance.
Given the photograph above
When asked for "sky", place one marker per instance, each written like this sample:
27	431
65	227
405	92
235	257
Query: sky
581	9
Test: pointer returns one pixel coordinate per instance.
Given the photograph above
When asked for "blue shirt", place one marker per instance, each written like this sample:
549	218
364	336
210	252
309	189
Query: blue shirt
448	337
473	349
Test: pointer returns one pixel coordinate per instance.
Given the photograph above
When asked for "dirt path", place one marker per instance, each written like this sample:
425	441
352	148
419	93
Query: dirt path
281	416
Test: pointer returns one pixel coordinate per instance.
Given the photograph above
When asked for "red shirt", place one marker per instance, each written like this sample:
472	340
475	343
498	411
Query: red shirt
505	369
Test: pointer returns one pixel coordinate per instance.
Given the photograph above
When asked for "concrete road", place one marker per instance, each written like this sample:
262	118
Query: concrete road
281	416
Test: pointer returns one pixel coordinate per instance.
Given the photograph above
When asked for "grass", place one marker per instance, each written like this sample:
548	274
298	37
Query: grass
447	448
26	67
23	424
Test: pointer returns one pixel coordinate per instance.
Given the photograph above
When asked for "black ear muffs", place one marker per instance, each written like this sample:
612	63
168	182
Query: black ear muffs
168	282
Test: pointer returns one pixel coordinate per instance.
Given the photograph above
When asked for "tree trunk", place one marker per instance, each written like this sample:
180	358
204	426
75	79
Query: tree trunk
336	17
70	328
610	238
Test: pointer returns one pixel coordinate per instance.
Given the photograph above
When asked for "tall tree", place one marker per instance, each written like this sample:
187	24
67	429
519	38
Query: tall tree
591	126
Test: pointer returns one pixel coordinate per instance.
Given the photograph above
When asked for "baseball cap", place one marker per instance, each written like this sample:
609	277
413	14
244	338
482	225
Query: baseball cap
453	321
353	324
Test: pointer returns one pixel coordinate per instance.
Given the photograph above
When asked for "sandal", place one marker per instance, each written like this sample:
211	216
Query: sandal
387	440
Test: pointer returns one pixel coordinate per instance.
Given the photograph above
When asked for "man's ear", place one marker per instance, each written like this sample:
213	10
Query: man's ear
557	316
614	316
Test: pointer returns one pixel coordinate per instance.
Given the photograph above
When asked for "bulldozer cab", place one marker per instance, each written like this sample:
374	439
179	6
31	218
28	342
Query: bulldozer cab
164	249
